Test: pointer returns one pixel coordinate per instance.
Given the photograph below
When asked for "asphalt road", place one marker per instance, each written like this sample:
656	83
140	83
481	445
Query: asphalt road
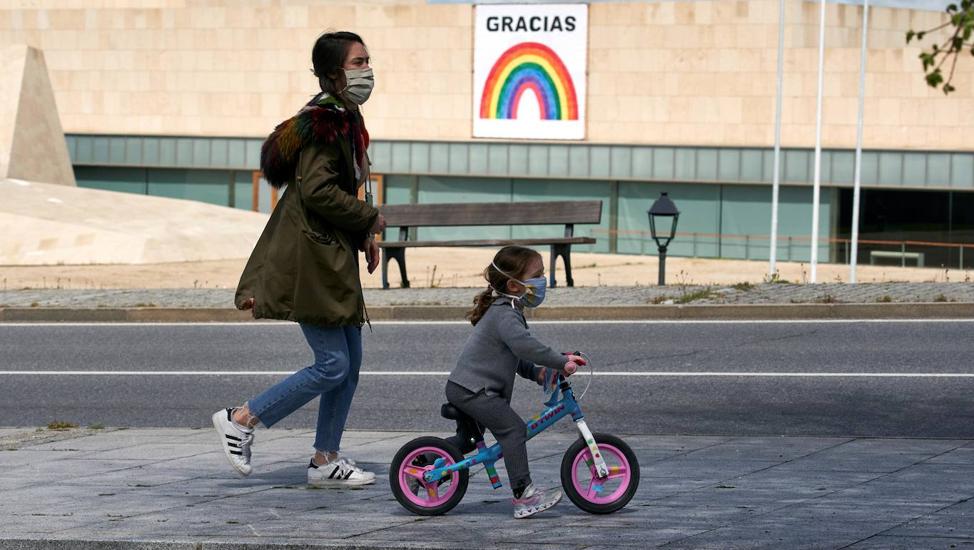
909	379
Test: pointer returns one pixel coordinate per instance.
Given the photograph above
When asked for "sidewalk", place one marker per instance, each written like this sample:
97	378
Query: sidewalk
739	302
463	267
123	489
445	281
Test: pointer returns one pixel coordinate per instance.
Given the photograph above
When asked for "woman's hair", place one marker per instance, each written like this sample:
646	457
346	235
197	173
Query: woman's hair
328	57
512	260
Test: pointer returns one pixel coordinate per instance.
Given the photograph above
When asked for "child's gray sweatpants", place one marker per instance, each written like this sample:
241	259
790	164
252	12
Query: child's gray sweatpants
495	413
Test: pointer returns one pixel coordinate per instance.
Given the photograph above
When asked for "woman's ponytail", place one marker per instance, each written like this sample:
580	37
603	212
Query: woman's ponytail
481	302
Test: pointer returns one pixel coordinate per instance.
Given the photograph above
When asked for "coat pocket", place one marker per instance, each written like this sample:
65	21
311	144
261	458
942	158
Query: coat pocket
327	281
321	238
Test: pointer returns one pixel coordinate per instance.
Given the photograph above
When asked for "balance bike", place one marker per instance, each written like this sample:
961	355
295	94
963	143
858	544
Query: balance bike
599	472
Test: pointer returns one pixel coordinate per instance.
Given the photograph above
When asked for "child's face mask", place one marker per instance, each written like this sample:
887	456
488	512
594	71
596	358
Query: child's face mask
534	288
534	294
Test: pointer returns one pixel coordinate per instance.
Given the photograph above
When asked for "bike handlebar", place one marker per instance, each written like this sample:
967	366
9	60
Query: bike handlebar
563	382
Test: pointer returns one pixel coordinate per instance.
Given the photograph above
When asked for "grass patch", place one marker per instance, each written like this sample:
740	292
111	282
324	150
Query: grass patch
702	294
61	425
776	279
145	304
885	299
744	287
827	299
940	298
659	299
96	426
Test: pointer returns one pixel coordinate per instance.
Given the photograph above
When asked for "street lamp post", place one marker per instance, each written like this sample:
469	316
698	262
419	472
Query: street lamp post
663	208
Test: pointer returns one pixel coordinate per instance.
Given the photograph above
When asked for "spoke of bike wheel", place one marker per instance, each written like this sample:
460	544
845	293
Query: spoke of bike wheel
414	472
592	493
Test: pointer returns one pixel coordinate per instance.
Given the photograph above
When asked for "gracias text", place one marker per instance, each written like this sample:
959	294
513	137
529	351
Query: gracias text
506	23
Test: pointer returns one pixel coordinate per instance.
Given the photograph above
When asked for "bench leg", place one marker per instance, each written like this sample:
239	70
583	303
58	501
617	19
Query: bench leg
565	251
398	254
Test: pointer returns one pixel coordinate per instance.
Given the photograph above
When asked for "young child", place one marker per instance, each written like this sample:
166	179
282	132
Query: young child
483	380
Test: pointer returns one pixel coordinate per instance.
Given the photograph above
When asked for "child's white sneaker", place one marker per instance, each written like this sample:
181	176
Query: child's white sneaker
342	472
236	442
533	501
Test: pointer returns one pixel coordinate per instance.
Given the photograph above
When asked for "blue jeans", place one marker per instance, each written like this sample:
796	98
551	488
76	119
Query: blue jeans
334	377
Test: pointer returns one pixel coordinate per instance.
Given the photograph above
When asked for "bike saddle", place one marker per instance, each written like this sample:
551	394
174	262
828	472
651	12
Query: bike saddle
450	412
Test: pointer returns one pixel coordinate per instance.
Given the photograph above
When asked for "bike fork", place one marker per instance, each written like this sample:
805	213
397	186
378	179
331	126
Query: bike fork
601	470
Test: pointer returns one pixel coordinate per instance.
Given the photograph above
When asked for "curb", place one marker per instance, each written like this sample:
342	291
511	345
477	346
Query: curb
743	312
79	544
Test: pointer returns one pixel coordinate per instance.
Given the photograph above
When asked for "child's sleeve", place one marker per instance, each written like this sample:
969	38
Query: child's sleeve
527	347
528	370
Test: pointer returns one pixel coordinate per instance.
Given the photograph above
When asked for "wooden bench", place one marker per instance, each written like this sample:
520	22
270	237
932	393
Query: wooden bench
405	216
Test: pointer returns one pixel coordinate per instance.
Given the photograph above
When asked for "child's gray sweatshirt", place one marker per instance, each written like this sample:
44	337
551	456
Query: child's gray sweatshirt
499	346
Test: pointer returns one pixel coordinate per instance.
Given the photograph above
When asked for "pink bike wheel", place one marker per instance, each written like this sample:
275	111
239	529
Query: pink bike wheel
583	486
406	477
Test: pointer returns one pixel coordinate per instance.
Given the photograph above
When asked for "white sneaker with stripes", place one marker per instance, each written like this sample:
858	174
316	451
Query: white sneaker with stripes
236	442
534	500
342	472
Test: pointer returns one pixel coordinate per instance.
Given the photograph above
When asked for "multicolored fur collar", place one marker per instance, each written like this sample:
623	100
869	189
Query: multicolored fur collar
322	121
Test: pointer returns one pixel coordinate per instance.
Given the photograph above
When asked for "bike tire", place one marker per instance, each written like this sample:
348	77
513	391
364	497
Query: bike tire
407	487
610	495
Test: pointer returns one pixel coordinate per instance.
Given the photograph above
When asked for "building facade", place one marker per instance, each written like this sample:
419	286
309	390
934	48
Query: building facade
174	97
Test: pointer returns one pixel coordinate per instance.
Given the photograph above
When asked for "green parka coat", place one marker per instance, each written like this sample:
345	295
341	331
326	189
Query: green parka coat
304	267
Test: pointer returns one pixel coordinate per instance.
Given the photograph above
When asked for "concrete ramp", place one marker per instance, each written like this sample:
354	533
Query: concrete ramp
32	145
50	224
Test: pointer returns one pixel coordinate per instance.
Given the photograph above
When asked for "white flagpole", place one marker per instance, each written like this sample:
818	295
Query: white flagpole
854	256
817	183
772	267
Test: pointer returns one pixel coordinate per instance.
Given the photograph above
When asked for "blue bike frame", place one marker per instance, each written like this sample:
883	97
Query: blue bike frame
557	409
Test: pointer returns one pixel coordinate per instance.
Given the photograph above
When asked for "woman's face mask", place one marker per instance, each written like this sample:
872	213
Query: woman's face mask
358	85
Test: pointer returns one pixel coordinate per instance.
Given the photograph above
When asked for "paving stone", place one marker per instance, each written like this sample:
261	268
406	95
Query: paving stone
706	492
891	542
776	533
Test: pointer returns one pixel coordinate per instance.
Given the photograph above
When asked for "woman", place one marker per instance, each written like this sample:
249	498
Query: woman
304	267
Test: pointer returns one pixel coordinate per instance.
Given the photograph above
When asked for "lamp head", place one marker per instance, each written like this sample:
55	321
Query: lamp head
660	210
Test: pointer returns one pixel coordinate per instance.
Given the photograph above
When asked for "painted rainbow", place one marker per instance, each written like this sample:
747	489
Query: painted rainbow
529	66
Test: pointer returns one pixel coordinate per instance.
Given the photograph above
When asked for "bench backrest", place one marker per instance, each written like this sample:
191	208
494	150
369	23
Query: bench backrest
503	213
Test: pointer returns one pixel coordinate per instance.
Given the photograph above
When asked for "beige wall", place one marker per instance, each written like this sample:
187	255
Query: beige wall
693	73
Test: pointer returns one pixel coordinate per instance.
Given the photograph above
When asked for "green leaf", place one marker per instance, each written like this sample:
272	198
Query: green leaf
956	44
909	36
951	8
948	88
920	35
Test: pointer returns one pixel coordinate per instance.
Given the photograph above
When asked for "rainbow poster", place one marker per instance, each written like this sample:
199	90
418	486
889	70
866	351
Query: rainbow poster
529	71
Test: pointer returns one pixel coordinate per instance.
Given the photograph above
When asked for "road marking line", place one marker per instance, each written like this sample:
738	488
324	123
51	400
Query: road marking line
264	324
446	373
